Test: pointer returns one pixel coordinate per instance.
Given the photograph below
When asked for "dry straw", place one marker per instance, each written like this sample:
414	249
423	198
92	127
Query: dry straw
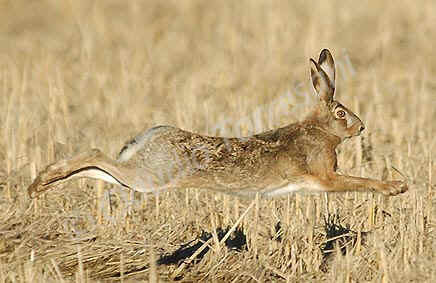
81	73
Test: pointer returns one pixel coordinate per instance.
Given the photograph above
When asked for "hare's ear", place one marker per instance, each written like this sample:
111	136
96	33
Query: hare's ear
321	82
328	65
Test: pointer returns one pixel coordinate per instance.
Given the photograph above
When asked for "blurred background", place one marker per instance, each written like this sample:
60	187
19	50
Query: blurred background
82	74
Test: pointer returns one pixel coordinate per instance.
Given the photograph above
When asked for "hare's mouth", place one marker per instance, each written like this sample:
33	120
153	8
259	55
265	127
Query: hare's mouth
353	132
358	132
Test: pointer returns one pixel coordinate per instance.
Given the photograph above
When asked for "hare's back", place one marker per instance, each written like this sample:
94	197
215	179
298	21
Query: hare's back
170	149
171	152
152	149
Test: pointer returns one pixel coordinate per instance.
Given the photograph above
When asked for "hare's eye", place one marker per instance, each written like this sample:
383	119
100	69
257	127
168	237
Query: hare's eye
340	114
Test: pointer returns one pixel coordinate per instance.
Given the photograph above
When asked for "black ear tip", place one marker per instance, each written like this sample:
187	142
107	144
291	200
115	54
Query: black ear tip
325	53
315	64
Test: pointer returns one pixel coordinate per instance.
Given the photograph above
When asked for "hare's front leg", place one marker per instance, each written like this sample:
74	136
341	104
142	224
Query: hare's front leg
341	183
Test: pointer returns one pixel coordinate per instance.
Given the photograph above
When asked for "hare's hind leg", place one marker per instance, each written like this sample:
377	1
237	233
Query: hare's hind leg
91	164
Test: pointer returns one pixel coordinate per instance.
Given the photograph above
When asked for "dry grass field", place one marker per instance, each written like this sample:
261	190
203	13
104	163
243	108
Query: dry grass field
81	74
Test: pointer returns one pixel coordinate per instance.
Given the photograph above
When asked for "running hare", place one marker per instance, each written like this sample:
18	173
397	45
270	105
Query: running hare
297	157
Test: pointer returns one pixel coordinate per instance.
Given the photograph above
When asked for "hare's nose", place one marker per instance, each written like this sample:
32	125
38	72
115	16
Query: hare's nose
362	128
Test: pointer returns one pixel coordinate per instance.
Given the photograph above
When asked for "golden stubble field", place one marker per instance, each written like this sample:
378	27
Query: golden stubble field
81	74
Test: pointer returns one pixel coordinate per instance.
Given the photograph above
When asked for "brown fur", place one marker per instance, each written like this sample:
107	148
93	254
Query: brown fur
297	157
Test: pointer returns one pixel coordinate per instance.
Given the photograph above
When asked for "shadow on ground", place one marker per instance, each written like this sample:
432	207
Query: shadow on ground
237	241
339	238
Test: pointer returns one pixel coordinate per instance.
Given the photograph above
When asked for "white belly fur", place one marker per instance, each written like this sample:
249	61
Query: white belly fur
98	174
289	188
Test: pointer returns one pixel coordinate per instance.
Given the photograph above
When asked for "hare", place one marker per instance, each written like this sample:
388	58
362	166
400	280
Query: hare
297	157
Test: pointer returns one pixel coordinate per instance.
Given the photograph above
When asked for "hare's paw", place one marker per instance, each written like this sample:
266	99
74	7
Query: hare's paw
393	188
51	174
36	187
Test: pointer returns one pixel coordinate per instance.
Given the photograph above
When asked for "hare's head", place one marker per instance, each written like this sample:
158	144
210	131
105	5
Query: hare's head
331	115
